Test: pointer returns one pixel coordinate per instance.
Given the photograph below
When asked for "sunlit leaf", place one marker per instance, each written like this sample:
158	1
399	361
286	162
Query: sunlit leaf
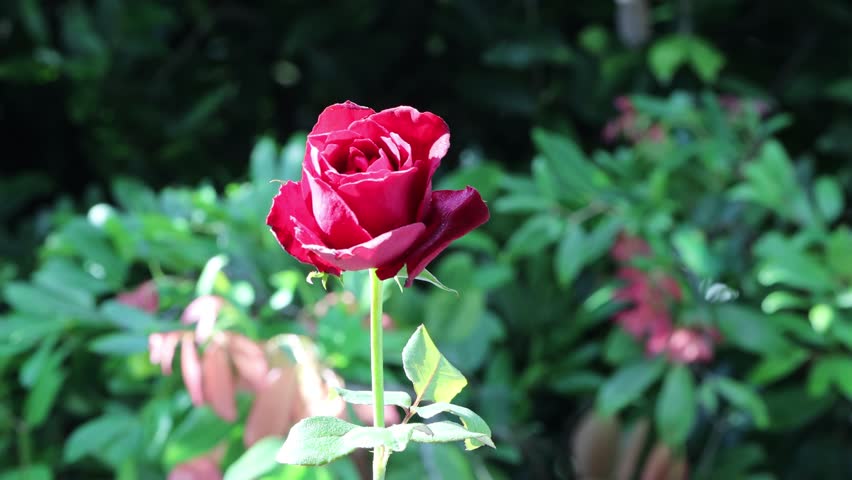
365	397
471	421
434	377
320	440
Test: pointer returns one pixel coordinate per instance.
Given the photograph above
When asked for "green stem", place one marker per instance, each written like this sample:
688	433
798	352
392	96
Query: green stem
380	457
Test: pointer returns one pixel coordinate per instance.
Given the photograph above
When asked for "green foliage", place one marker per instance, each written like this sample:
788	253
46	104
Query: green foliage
744	207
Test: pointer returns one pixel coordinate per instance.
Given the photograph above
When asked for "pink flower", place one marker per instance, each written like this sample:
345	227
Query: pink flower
365	199
684	345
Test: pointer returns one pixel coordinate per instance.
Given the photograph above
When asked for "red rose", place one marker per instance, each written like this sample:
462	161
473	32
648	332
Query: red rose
365	199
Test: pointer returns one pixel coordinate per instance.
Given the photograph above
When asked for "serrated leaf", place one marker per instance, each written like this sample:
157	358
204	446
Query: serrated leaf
676	406
425	276
627	385
434	377
256	461
471	421
365	397
443	432
320	440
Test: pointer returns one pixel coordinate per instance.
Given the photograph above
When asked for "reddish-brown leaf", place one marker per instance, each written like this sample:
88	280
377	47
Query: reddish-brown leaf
191	368
218	382
250	361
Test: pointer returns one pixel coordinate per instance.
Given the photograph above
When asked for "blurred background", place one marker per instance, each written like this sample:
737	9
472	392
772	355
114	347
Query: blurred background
664	290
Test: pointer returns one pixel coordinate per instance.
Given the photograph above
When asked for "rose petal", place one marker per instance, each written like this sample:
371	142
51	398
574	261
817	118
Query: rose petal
452	214
378	252
334	217
190	368
288	212
218	382
427	133
339	116
385	203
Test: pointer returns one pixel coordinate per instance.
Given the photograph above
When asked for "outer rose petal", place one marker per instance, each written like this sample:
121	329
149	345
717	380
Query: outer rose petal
378	252
452	214
288	211
427	133
339	116
334	217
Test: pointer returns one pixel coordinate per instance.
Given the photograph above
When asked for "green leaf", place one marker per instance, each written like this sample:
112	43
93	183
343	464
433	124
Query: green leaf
666	56
570	254
691	245
121	344
128	317
200	431
95	435
41	398
838	251
211	270
751	330
670	53
627	385
777	366
706	60
471	421
31	472
425	276
44	358
841	90
576	175
320	440
745	398
534	235
829	198
831	369
365	397
676	406
444	432
256	461
523	203
434	377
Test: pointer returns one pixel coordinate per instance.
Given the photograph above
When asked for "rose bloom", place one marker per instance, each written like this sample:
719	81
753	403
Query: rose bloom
365	199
